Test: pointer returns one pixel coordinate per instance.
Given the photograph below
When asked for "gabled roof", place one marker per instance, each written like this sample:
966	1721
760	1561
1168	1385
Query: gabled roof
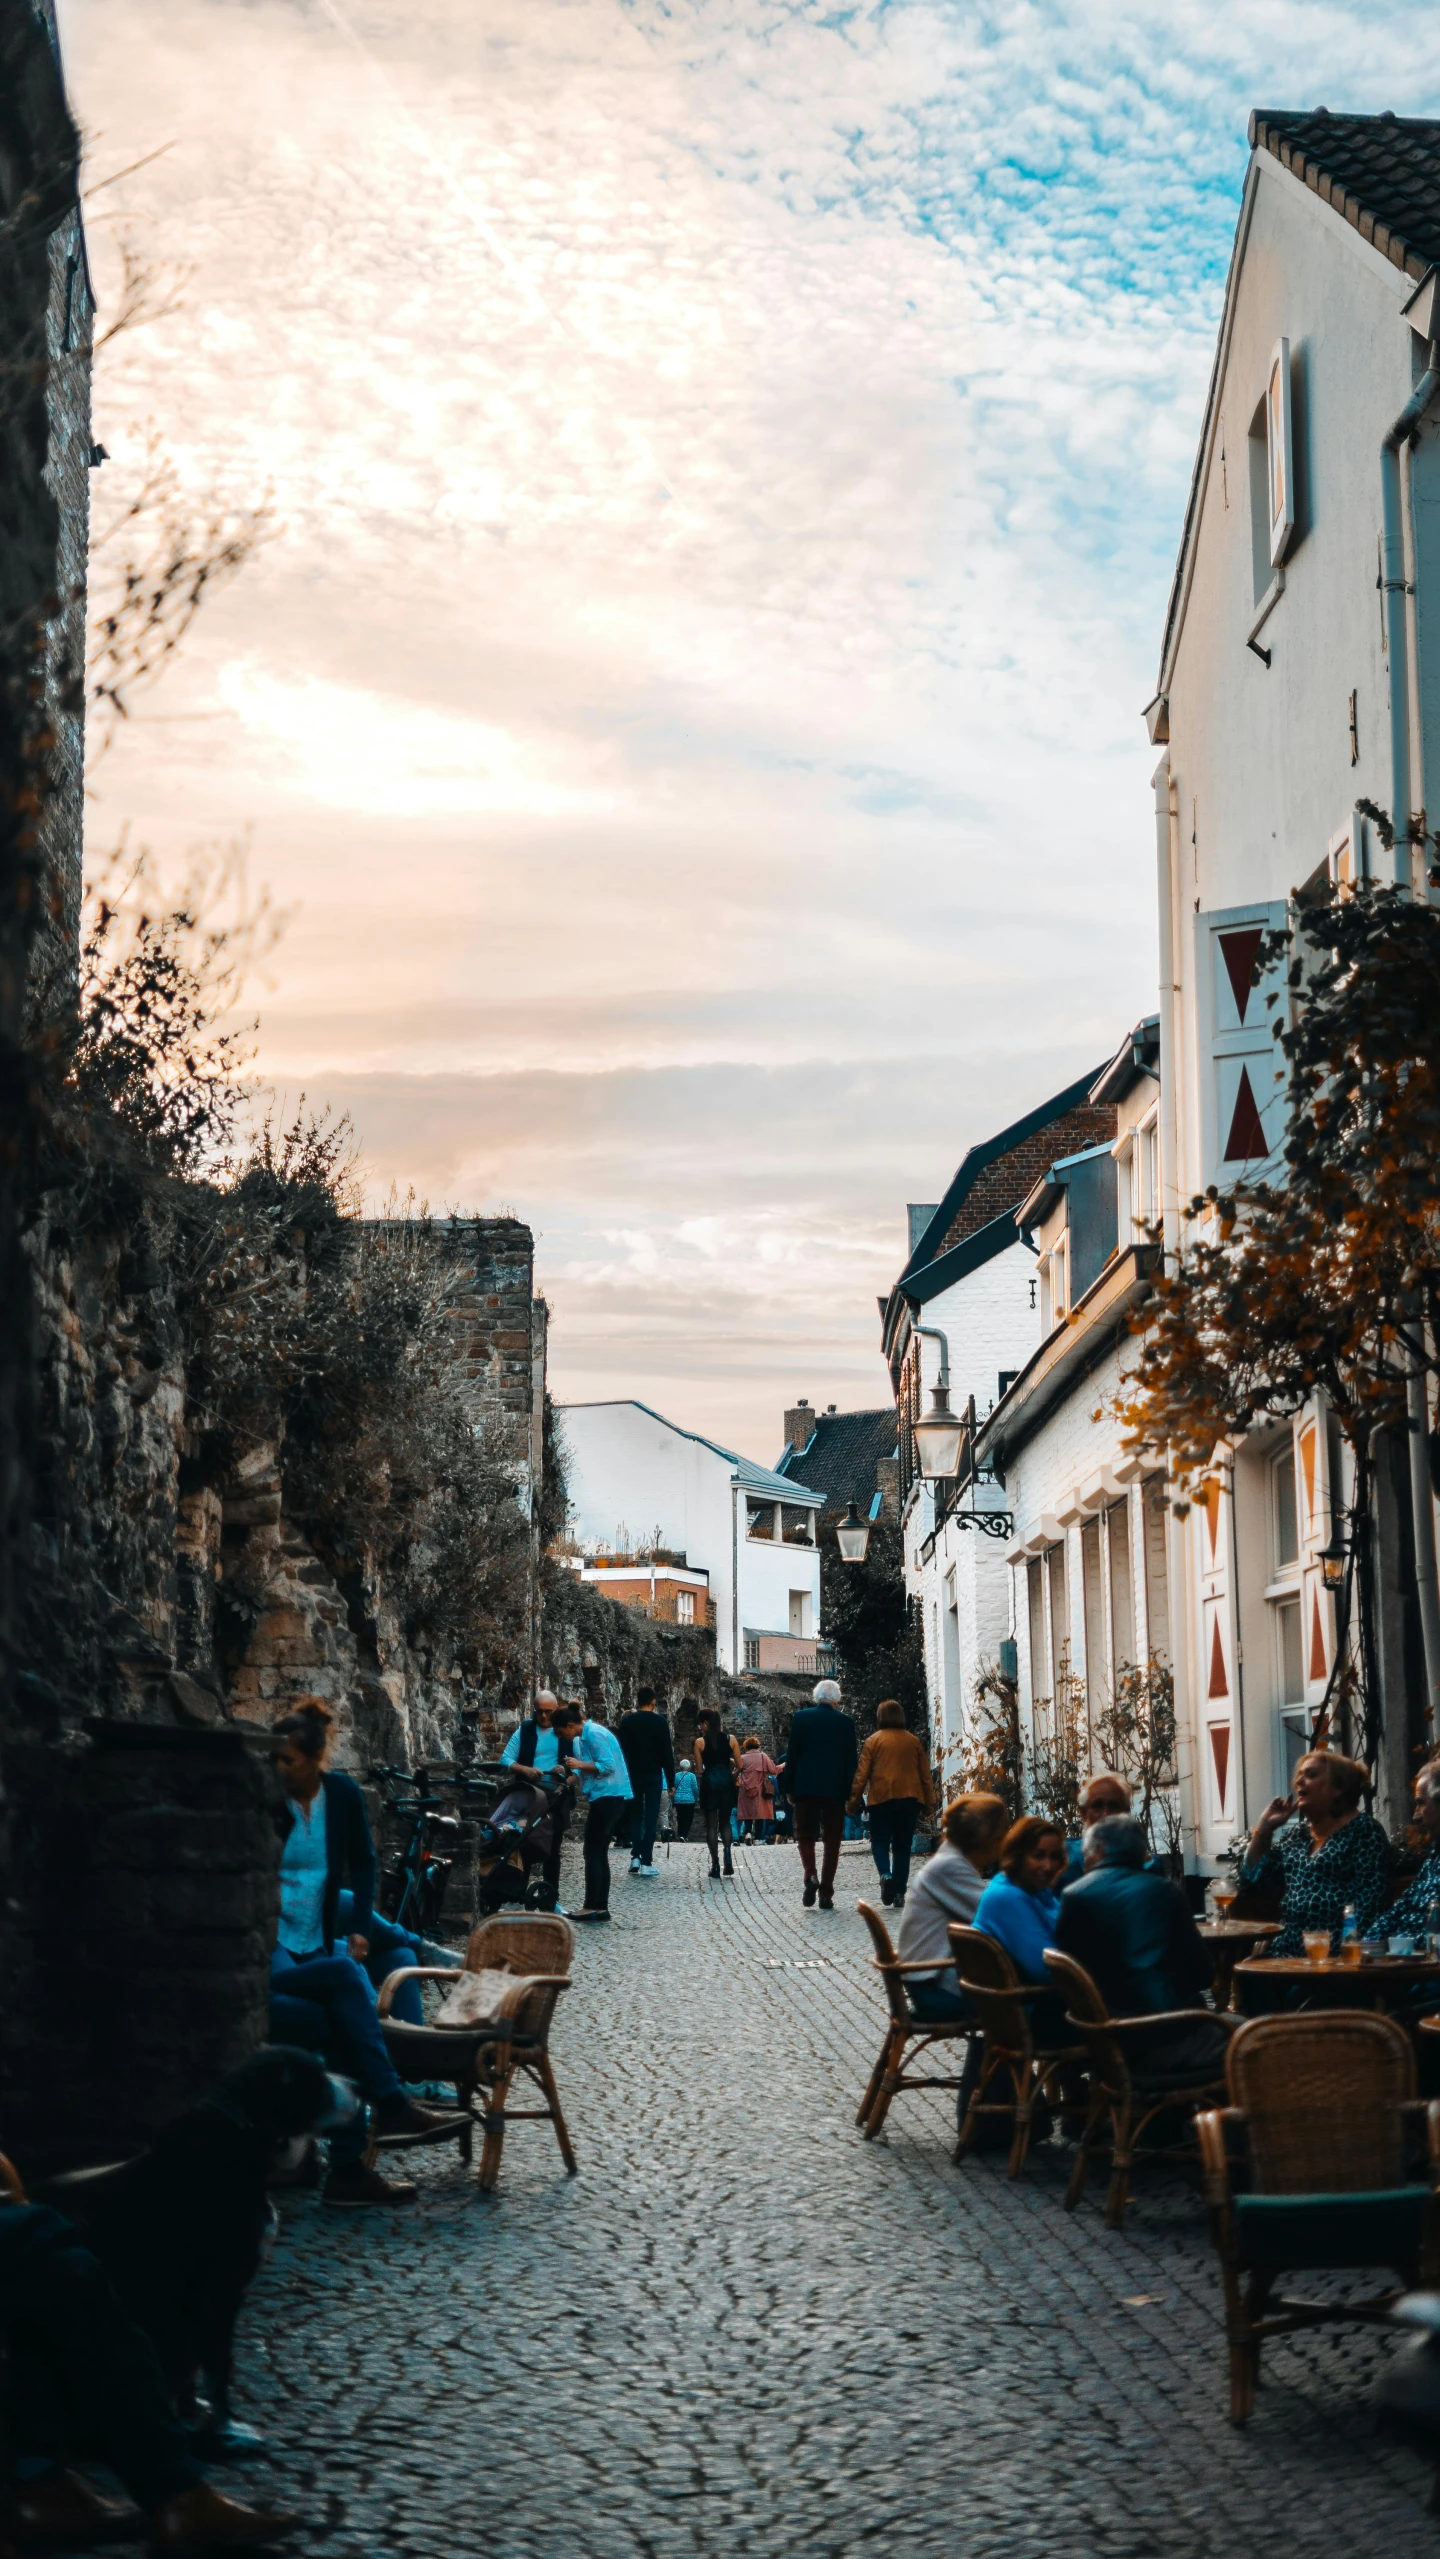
841	1455
1039	1202
1381	174
750	1477
980	1158
970	1254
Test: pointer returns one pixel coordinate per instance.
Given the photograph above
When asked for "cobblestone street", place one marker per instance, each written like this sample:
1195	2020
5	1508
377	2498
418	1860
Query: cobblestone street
741	2329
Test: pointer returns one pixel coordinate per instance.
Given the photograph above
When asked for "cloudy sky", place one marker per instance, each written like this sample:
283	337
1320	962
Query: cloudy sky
727	457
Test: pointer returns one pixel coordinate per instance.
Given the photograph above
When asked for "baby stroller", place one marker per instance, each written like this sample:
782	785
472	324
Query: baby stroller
516	1837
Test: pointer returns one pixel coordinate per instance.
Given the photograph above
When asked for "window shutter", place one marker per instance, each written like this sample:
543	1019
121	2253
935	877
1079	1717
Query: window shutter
1244	1104
1279	452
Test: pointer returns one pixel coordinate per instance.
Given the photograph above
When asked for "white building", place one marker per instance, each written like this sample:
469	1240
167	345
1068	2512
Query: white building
971	1279
1300	675
637	1480
1088	1564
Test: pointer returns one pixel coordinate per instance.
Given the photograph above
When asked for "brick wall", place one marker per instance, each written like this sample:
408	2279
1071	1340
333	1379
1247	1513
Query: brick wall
1005	1183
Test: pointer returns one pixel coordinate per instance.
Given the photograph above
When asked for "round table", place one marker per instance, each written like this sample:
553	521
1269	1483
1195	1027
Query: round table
1372	1984
1230	1939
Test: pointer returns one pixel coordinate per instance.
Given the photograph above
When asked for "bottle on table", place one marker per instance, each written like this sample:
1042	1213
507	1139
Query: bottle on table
1350	1947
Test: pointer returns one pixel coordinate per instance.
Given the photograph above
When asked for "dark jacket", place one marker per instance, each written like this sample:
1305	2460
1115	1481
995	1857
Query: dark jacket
821	1755
1134	1933
349	1854
644	1737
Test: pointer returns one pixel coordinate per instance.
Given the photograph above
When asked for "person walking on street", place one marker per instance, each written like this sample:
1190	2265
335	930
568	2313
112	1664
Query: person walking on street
592	1754
894	1779
756	1803
718	1762
818	1773
533	1745
644	1737
686	1795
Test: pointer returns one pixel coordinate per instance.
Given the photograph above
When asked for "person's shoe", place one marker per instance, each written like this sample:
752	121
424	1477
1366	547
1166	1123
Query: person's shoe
811	1889
827	1899
400	2114
729	1872
650	1873
899	1902
887	1891
355	2184
715	1872
583	1916
62	2511
635	1866
201	2519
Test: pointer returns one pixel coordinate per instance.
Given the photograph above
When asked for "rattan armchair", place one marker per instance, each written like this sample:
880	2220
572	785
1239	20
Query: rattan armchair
1131	2081
487	2056
1004	2005
1323	2110
906	2035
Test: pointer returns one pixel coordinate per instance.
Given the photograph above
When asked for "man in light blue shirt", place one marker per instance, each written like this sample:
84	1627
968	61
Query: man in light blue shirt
533	1743
594	1756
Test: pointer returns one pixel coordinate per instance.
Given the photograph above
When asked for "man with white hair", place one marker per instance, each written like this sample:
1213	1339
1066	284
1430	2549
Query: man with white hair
820	1761
533	1745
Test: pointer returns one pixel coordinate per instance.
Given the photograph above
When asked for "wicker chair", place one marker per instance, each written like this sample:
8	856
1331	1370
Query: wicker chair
488	2056
906	2036
1004	2004
1321	2106
1125	2087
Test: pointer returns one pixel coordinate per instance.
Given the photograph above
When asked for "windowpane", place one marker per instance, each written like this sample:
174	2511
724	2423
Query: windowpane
1097	1685
1035	1594
1291	1662
1287	1527
1122	1594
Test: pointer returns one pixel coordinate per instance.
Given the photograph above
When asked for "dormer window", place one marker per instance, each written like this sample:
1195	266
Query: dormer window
1272	473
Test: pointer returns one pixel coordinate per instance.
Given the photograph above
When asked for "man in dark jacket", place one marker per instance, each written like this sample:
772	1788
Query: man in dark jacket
820	1761
1135	1935
644	1737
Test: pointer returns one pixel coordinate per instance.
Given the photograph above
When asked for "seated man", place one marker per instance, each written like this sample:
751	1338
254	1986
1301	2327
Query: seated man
1135	1935
946	1891
1103	1797
84	2379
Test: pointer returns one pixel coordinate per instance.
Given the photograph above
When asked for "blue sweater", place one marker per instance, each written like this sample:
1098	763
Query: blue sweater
1023	1923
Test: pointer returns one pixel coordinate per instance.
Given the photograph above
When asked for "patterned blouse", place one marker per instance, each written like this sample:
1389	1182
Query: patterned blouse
1410	1915
1353	1865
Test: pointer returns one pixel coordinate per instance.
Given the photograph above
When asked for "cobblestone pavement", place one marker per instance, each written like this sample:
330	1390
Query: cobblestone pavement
741	2329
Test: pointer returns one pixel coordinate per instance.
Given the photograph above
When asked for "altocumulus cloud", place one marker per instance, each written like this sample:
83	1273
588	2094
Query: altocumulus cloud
729	455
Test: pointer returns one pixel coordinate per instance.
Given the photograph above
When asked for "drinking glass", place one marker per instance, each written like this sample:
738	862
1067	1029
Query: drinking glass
1351	1951
1223	1896
1316	1942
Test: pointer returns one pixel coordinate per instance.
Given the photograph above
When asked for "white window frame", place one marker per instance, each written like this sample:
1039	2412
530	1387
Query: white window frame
1279	452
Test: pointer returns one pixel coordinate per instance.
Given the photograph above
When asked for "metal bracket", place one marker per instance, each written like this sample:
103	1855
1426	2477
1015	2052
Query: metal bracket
989	1523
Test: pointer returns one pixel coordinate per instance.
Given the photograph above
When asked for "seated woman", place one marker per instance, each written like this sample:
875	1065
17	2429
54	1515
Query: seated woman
317	1996
1332	1856
1020	1906
1410	1916
948	1889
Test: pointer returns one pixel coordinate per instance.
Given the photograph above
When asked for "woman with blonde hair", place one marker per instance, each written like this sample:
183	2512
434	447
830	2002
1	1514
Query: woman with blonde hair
893	1779
947	1893
1329	1856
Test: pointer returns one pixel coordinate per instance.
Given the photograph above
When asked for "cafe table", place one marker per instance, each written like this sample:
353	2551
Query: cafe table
1229	1939
1379	1982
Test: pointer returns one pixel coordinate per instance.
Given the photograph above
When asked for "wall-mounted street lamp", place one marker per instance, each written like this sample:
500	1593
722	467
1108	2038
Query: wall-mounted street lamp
852	1536
938	1433
1333	1560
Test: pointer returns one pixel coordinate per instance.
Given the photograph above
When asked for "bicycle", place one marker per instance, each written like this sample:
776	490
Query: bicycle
418	1877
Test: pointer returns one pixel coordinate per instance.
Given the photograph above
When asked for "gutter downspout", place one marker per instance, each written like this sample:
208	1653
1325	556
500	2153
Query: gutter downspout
1397	640
1169	1126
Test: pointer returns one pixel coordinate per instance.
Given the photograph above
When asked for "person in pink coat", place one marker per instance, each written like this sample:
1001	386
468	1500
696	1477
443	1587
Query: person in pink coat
755	1807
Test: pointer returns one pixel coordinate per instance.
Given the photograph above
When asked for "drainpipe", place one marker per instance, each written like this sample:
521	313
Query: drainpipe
1397	638
1169	1125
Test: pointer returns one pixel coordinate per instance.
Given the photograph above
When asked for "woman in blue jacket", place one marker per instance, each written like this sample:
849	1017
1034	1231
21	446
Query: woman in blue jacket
320	1995
1020	1907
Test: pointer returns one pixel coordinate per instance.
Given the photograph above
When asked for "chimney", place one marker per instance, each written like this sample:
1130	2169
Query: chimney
799	1425
919	1213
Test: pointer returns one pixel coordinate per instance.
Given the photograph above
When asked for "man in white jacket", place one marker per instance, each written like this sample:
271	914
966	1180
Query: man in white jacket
944	1894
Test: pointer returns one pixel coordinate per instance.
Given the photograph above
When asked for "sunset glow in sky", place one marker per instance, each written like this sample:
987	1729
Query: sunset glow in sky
728	457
